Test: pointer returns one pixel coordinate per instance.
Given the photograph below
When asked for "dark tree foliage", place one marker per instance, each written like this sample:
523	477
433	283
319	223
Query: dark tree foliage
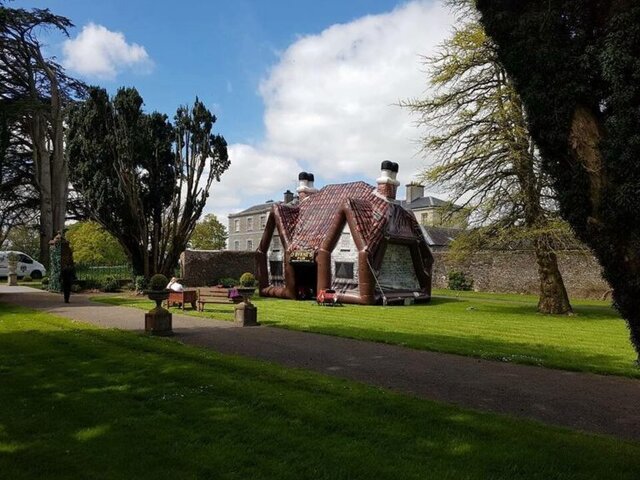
143	180
576	66
33	94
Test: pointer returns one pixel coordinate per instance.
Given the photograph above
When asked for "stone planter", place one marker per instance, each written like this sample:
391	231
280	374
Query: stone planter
158	321
246	313
246	292
12	278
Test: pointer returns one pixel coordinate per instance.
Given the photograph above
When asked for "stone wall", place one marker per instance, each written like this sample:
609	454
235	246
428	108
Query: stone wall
204	267
517	272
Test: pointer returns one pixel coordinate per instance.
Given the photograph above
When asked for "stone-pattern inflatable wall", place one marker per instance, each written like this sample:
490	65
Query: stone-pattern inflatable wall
201	268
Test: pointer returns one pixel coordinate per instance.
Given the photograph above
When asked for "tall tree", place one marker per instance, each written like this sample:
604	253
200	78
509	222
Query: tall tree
25	239
92	244
477	132
209	234
576	67
33	95
144	180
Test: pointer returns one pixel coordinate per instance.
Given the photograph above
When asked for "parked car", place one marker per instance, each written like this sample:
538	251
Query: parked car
26	266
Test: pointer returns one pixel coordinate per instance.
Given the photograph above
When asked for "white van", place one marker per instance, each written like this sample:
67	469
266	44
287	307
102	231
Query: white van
26	266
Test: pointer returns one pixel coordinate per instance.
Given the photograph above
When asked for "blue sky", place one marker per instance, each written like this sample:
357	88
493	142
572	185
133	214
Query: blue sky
295	84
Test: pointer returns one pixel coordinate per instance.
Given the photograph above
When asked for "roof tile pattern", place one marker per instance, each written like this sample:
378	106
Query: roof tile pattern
308	223
319	211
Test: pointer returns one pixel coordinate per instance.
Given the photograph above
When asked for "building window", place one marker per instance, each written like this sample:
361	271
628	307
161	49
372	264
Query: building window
344	270
275	268
249	224
236	224
425	219
275	243
249	244
263	221
236	245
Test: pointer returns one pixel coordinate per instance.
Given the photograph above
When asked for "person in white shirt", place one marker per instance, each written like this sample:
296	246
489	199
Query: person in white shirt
175	285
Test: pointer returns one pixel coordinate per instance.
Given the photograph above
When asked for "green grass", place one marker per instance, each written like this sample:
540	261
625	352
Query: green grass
501	327
79	402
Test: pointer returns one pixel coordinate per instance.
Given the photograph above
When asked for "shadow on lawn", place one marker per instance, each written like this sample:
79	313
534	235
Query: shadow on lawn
83	403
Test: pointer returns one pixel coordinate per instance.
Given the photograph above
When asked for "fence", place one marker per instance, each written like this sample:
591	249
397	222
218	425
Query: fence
100	273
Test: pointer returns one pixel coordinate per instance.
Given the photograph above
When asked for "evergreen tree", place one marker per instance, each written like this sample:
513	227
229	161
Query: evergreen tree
576	66
33	94
144	180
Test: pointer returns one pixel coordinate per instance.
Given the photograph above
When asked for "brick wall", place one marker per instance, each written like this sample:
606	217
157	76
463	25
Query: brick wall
517	272
202	267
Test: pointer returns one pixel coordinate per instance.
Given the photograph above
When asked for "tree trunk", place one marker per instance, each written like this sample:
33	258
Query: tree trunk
553	294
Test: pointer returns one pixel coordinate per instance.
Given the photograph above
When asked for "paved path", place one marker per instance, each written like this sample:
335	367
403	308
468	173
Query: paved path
592	403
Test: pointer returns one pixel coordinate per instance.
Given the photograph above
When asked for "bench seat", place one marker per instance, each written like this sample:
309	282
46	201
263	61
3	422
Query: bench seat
214	295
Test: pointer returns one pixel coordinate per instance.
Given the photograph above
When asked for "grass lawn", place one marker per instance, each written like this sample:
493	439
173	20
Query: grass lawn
79	402
500	327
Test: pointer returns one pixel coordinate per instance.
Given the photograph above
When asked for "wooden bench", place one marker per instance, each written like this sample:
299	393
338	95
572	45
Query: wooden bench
214	295
183	297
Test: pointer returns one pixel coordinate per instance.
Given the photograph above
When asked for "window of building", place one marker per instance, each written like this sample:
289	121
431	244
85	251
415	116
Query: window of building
425	219
275	243
236	224
275	268
344	270
236	245
249	244
249	224
263	221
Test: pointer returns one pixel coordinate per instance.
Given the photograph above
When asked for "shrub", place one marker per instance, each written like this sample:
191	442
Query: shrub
158	282
26	278
459	281
45	281
140	283
247	279
90	284
76	288
227	282
110	284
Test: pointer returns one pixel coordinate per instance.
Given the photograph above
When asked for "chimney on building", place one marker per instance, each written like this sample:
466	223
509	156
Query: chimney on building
415	191
288	196
305	185
387	183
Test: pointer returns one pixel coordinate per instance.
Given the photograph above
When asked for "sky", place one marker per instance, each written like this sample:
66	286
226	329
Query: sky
296	85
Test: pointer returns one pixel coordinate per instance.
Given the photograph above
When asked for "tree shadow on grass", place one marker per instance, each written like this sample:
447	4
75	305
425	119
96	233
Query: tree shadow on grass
81	403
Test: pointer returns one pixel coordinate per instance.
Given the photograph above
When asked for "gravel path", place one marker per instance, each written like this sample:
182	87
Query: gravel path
581	401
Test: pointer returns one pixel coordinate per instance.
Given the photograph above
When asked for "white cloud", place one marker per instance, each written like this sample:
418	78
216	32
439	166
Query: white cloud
254	176
101	53
331	99
331	105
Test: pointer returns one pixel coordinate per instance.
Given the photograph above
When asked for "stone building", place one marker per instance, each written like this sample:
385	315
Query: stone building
433	212
246	227
352	237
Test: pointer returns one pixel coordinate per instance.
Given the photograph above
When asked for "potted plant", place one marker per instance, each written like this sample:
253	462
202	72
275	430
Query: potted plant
158	321
247	285
246	314
157	289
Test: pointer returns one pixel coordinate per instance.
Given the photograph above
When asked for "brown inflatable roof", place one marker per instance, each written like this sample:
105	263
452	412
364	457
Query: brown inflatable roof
308	223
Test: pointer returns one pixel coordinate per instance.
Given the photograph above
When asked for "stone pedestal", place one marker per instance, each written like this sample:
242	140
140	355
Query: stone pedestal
12	280
158	322
246	315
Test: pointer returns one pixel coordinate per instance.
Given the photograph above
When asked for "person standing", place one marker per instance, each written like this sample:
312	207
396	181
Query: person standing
67	276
